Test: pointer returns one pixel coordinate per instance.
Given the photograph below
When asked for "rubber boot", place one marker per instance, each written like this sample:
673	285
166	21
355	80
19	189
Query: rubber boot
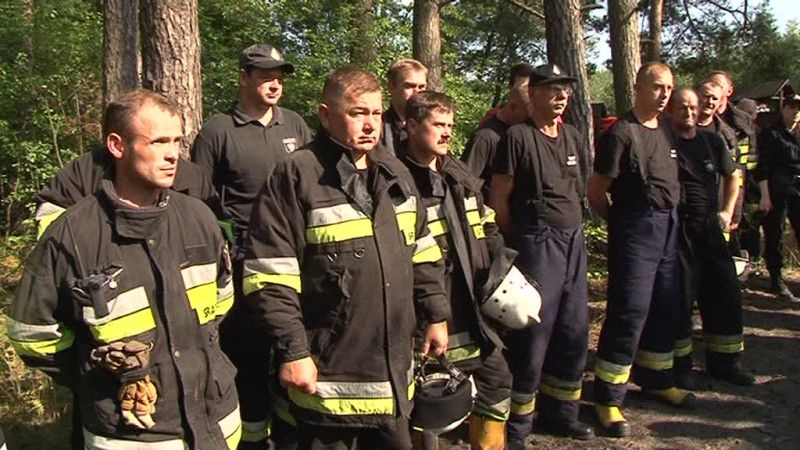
612	422
486	434
728	367
673	396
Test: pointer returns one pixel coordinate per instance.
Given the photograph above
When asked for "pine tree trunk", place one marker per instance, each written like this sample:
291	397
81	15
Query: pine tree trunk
171	57
427	41
362	48
623	18
121	56
655	16
565	48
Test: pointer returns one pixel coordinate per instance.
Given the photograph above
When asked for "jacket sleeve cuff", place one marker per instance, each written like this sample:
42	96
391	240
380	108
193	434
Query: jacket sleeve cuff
292	348
437	309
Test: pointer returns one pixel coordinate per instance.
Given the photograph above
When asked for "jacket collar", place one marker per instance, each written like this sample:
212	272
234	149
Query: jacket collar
429	183
130	222
241	118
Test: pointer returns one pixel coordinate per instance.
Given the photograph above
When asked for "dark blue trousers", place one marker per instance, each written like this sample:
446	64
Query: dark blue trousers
644	301
550	357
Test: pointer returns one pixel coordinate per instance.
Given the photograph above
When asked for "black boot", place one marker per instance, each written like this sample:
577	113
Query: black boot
728	367
682	370
779	288
572	429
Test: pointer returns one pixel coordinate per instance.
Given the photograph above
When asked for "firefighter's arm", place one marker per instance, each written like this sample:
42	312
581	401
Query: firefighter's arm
494	240
597	194
730	193
499	196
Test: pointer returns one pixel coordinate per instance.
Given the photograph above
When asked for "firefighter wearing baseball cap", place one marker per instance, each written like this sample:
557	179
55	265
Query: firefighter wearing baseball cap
537	169
466	232
238	150
339	265
637	164
121	298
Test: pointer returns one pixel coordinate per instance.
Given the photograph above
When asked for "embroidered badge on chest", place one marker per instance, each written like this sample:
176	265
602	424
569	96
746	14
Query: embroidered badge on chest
289	144
572	160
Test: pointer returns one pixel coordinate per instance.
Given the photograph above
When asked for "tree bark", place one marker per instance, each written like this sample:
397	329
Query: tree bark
362	48
171	57
623	18
655	18
427	40
121	56
565	48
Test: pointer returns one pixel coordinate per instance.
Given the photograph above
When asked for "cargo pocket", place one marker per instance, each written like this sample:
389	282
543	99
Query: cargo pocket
332	316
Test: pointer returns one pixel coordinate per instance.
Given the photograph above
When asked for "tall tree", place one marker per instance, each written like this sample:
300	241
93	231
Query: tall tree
427	40
362	49
121	55
655	15
565	47
623	19
171	57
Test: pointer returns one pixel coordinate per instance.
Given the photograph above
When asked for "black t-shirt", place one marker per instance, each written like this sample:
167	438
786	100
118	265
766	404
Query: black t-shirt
532	157
481	149
701	161
239	153
658	158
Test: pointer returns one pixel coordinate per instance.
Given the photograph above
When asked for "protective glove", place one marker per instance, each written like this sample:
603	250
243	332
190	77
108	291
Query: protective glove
122	357
137	400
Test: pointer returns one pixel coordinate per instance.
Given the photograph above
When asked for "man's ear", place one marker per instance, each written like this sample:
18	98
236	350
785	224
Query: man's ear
324	119
242	76
411	126
115	145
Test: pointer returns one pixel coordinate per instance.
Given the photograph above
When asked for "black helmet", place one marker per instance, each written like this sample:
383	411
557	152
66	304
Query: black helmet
443	399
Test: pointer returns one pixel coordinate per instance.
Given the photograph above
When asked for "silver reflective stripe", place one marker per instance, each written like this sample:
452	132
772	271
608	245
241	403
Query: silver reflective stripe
559	383
231	423
47	208
199	275
225	291
125	303
522	397
354	389
470	203
460	340
435	212
25	332
280	266
425	243
95	442
487	211
333	214
618	369
410	205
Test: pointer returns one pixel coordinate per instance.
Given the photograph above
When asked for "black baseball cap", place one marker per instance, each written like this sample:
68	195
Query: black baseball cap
264	56
549	74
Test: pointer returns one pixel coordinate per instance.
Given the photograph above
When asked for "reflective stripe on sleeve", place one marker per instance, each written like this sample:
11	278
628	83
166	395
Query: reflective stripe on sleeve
406	214
427	250
262	271
46	213
231	426
129	315
611	373
461	347
200	282
336	224
347	398
224	298
499	411
38	341
437	224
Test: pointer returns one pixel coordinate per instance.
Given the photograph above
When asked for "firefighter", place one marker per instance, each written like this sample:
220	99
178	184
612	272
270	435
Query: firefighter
744	226
121	298
537	170
708	271
404	78
482	146
454	204
637	164
778	177
238	149
339	264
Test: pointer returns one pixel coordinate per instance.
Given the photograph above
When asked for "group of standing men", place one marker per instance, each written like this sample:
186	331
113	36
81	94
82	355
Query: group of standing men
354	249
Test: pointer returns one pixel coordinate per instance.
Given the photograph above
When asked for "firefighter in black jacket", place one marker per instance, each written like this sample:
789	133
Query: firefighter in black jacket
337	268
452	198
708	271
121	298
404	78
778	177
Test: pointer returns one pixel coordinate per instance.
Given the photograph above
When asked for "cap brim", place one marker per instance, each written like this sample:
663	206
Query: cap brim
545	82
287	68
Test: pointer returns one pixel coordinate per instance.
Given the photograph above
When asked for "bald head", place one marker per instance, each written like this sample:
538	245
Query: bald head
683	110
653	87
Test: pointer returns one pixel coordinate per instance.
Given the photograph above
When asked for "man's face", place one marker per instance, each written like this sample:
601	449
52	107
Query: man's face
710	98
653	91
354	121
432	136
550	100
684	111
262	86
727	88
410	82
151	155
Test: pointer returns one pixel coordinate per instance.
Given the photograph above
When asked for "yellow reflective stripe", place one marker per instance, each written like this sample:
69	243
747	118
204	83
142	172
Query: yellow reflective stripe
407	224
261	271
46	213
280	407
560	389
474	217
463	353
724	344
726	235
438	227
479	231
255	431
339	232
347	398
489	215
499	411
224	298
683	347
129	315
44	348
104	443
411	390
655	360
231	426
611	373
203	300
522	404
430	254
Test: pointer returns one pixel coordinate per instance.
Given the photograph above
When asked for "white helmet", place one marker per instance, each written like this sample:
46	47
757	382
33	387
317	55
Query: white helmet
515	303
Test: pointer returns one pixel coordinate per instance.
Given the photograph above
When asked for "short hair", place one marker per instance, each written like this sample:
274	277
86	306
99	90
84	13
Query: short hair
680	93
518	92
401	66
721	73
519	71
348	81
422	104
648	68
119	113
748	105
711	83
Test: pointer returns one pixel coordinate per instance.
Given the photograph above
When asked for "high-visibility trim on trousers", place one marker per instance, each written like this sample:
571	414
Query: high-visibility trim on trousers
522	403
347	398
611	373
259	272
724	344
499	411
654	360
129	315
560	389
683	347
255	431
